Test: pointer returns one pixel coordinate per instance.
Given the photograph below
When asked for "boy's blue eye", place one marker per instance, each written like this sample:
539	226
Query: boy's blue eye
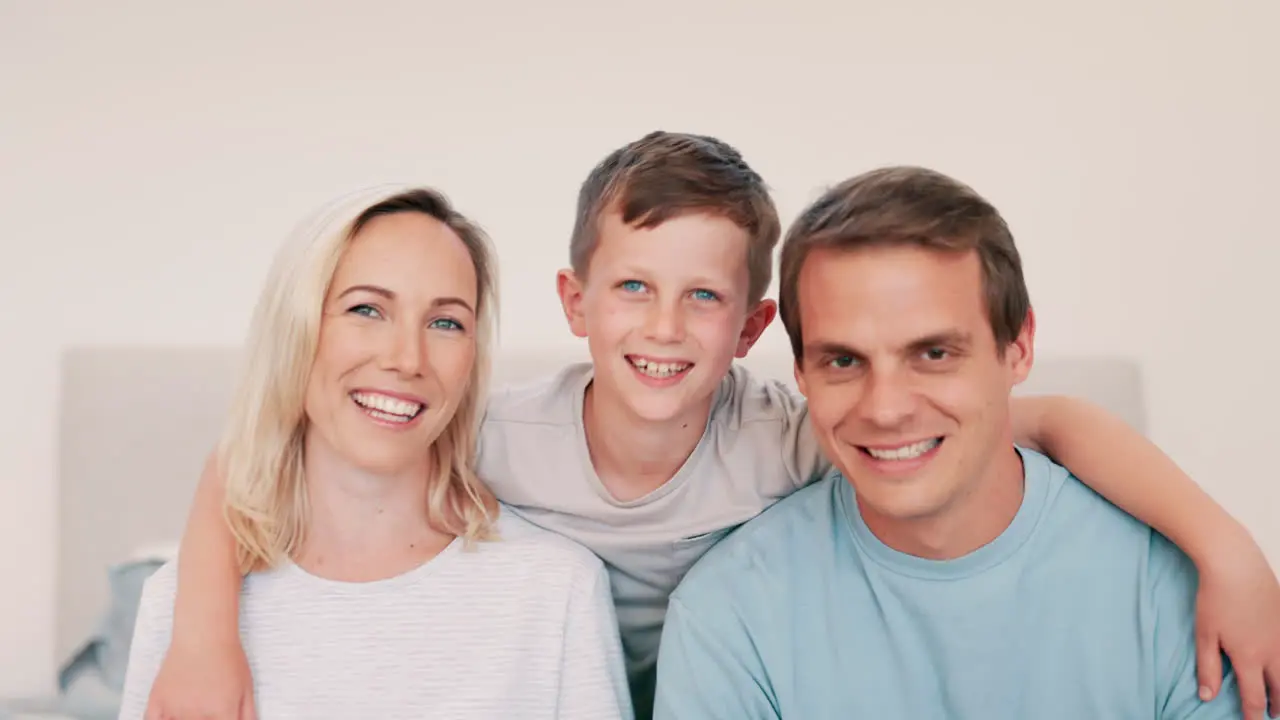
632	285
705	295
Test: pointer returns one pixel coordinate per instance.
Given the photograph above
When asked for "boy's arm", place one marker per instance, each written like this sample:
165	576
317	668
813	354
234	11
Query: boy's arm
205	673
1238	605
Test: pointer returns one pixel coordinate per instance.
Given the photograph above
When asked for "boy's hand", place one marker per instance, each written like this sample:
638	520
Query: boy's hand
202	684
1238	613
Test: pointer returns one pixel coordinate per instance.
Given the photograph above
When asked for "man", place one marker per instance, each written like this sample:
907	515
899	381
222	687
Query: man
940	571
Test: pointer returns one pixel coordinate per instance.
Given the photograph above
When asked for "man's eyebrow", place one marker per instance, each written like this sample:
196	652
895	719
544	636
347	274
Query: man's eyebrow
824	347
946	338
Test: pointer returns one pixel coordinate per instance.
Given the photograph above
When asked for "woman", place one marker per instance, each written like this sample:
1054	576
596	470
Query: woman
384	580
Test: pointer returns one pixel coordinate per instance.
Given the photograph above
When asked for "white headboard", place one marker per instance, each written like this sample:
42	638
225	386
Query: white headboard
136	424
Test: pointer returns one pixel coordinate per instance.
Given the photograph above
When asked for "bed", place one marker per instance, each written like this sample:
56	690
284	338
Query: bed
135	424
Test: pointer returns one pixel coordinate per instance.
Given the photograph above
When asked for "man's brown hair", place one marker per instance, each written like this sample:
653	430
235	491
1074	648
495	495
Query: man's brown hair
908	206
664	175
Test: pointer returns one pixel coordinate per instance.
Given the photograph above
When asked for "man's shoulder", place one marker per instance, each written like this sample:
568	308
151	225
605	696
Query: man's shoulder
766	545
1073	508
1079	519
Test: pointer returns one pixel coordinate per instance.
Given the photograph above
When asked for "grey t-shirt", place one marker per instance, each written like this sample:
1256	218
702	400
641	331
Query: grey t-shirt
757	449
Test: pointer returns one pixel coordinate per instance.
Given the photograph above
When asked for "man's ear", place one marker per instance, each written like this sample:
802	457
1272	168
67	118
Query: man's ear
570	290
757	321
800	383
1020	354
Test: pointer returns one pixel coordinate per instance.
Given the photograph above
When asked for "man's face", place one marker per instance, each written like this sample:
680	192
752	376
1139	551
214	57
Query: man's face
907	391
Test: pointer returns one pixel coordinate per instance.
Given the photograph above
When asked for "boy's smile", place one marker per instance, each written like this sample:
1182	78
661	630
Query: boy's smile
664	311
659	372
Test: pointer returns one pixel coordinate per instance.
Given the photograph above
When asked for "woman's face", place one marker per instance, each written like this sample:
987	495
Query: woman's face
397	344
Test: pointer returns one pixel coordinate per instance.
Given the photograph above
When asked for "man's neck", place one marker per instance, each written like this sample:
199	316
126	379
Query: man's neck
361	526
973	519
633	456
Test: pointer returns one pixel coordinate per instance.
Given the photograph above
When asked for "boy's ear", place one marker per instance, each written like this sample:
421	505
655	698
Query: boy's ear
757	320
570	291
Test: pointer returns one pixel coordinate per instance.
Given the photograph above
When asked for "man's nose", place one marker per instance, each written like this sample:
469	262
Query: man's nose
887	399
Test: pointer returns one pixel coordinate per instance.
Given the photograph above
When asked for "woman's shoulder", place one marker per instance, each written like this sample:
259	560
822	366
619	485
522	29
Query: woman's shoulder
519	539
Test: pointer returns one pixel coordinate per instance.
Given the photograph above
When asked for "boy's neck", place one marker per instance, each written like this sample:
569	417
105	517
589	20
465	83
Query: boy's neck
633	456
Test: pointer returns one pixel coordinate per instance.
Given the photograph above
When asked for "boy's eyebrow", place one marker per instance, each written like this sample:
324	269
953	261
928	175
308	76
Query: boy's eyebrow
697	281
388	294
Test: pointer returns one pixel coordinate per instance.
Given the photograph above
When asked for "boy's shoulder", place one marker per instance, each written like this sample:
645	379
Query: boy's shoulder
546	400
747	397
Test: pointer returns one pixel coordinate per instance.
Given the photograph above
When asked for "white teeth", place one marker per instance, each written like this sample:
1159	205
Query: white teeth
906	452
657	369
387	408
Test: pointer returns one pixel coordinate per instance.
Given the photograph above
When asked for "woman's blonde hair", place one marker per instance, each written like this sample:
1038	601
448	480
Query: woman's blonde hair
261	450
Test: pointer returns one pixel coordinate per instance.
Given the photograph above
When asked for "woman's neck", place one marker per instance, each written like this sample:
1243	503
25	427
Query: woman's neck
363	526
633	456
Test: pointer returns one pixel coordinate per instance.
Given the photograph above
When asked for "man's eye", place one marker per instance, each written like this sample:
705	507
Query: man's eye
843	361
936	354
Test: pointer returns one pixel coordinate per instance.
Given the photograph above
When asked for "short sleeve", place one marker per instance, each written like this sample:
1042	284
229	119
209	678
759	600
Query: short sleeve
708	669
151	634
1172	583
593	681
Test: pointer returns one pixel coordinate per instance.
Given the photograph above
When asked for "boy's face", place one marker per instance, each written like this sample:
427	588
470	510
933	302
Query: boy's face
665	311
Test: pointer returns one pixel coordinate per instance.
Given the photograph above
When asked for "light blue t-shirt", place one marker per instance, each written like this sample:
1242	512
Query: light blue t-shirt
1076	611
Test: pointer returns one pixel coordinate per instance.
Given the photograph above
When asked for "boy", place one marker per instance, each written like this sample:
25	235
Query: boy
661	446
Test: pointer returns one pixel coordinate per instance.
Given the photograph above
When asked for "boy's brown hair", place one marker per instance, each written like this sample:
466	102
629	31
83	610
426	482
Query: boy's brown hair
663	175
909	206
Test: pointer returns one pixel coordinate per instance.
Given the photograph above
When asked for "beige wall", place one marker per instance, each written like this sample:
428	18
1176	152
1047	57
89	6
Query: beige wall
151	158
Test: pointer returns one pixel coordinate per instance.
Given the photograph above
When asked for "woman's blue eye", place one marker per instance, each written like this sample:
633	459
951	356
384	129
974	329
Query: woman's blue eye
446	324
705	295
632	285
366	310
